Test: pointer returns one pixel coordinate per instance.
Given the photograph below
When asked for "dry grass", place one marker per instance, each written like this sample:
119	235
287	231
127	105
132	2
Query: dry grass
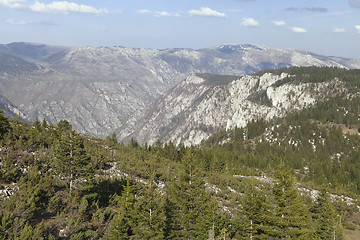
352	234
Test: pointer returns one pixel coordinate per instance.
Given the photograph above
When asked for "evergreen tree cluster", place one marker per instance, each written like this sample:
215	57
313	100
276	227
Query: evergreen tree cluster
254	182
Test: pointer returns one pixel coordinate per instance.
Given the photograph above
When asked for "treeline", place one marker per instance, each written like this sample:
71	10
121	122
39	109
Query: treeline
316	74
321	143
248	183
58	184
62	189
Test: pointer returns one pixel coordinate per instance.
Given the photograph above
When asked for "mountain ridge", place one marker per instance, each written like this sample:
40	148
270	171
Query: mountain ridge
206	109
97	89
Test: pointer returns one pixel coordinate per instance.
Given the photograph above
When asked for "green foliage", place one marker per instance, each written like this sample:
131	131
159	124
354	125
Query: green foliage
327	222
315	75
169	191
150	217
4	124
291	214
258	215
218	80
70	156
260	97
112	139
123	223
193	208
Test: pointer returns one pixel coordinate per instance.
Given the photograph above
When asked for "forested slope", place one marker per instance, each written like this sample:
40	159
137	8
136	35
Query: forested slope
294	177
58	184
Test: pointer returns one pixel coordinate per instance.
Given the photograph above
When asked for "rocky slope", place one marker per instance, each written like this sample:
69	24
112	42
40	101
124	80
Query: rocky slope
203	104
9	109
98	89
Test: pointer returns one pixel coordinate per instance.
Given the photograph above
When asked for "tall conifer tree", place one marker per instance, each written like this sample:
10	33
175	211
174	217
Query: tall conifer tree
71	157
327	222
292	216
193	206
150	213
122	225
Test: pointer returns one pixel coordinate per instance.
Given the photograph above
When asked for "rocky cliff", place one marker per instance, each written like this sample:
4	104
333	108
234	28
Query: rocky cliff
203	104
97	89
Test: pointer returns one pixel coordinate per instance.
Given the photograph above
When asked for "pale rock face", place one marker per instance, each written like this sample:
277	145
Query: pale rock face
99	90
195	109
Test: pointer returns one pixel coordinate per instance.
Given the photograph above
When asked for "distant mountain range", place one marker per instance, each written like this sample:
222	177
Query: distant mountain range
106	89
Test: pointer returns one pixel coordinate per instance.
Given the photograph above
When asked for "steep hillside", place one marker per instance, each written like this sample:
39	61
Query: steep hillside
99	89
296	177
9	109
198	107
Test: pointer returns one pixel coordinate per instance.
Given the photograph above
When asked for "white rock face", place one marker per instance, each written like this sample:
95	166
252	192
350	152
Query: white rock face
195	109
99	89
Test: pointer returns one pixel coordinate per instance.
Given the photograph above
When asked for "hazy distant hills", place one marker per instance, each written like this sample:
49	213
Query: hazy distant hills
31	51
11	65
99	89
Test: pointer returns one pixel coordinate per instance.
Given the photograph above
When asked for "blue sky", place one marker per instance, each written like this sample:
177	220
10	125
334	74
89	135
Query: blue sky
330	27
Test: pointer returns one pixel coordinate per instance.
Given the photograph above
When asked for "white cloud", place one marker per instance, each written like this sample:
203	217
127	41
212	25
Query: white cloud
144	11
162	14
158	13
279	23
65	7
15	4
339	30
17	22
357	28
298	30
206	12
250	22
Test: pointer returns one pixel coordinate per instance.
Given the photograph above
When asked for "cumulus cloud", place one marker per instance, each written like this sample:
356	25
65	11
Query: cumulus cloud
206	12
298	30
354	3
14	4
357	28
339	30
55	7
279	23
65	7
250	22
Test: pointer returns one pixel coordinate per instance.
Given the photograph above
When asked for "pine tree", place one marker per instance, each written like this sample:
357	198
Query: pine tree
327	222
112	139
292	216
122	225
193	207
257	212
150	218
4	124
71	157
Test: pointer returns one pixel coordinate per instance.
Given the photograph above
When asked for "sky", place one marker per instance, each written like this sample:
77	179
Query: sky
327	27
